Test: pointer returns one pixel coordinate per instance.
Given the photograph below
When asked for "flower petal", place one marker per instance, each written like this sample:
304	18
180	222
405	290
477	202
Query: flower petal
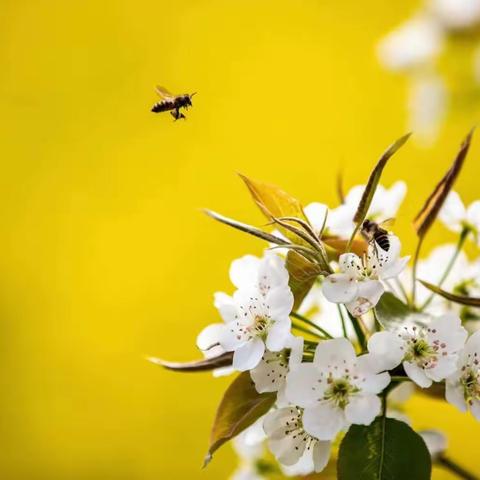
300	383
280	301
279	335
473	214
210	336
386	348
244	271
362	409
321	455
324	421
226	306
368	295
269	375
454	395
340	288
453	212
315	212
351	264
248	355
417	374
336	352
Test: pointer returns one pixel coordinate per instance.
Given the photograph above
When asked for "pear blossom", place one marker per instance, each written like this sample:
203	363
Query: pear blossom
456	217
427	353
257	315
291	443
436	442
456	14
249	446
463	386
337	389
271	373
412	45
358	285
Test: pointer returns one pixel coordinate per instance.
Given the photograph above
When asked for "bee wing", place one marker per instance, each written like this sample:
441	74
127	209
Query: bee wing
163	93
389	222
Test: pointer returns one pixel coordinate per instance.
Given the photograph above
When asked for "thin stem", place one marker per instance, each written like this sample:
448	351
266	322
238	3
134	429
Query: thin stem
350	241
306	330
400	286
456	469
398	378
342	318
311	324
461	241
358	331
414	271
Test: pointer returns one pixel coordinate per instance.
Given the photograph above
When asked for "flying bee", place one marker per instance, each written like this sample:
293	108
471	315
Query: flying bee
172	103
373	232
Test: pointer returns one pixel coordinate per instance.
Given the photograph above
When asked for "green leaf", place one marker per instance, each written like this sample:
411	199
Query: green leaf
374	178
391	311
385	450
427	215
223	360
461	299
302	275
240	407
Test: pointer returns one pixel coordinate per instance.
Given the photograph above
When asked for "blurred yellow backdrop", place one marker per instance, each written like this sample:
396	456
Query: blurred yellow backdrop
105	254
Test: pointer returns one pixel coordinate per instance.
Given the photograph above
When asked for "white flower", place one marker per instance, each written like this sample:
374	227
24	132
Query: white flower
456	14
358	284
456	217
385	204
337	389
463	386
427	353
249	445
257	316
414	44
435	441
290	442
270	374
427	105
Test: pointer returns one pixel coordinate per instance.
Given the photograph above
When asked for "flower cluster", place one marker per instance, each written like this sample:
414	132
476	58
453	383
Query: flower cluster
330	324
415	48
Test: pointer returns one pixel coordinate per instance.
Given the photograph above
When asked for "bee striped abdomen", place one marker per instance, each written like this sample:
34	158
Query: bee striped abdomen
383	241
163	107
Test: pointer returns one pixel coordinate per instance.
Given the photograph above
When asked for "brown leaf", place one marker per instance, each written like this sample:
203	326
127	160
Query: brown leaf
374	178
223	360
434	203
461	299
240	407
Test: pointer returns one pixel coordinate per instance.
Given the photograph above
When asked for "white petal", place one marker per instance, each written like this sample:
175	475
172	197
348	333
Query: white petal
272	273
475	409
279	335
394	269
351	264
340	220
315	212
435	441
368	295
280	301
340	288
336	352
386	347
473	214
300	383
244	271
392	199
324	421
375	383
225	305
454	395
453	212
362	409
417	374
321	455
248	355
210	336
296	352
270	374
444	368
473	343
229	338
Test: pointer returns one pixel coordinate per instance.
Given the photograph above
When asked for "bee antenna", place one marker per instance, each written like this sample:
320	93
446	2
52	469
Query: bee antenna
192	94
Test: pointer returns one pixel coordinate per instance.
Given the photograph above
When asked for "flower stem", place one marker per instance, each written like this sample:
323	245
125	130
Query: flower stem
311	324
461	241
414	271
342	318
456	469
358	331
350	241
300	328
398	378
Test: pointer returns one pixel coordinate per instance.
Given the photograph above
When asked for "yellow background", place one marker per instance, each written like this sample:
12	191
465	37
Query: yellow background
105	255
